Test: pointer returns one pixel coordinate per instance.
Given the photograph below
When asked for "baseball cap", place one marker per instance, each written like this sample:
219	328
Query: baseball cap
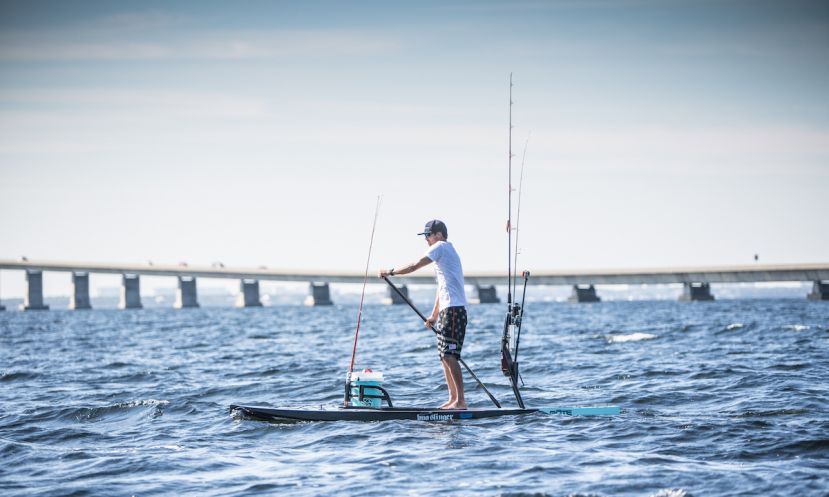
434	226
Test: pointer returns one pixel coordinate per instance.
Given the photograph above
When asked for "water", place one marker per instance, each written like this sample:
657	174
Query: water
722	398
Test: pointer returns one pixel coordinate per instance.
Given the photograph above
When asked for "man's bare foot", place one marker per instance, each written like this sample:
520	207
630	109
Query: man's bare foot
454	405
446	404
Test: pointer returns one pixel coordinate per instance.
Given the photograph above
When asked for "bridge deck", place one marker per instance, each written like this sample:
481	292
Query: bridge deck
710	274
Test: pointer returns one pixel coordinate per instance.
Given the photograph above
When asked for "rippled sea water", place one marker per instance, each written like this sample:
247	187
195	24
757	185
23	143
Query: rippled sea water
721	398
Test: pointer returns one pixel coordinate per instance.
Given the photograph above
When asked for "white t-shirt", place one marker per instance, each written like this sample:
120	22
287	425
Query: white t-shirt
448	273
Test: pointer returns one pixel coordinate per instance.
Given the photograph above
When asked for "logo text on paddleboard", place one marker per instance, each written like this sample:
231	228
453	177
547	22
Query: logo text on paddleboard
434	416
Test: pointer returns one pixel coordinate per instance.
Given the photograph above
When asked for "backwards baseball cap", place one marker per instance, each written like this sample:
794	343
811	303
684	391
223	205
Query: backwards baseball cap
434	226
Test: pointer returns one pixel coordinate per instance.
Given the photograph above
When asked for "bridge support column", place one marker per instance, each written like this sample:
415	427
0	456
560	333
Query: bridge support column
696	292
820	291
248	294
186	295
34	293
80	292
485	295
584	293
393	298
130	292
320	294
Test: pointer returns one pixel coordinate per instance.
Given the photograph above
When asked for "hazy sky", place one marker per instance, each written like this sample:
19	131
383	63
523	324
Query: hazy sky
260	133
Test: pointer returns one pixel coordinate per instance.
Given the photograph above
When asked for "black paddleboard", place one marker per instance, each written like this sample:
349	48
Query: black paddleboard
381	414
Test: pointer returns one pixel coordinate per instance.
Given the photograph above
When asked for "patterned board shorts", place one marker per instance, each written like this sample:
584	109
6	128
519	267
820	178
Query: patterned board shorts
451	331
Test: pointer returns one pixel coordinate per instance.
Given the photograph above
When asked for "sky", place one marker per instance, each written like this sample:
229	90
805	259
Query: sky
657	132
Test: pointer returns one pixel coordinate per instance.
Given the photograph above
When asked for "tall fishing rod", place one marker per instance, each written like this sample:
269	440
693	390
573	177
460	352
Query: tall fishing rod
509	202
406	299
518	319
509	366
518	217
362	296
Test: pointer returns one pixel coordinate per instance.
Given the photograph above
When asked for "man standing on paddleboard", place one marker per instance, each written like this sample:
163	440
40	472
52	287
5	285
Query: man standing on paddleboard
450	305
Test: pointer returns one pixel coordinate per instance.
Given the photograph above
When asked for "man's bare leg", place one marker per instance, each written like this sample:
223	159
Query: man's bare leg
447	374
455	383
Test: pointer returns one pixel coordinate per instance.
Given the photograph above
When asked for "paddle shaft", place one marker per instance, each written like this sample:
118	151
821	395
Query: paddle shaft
471	373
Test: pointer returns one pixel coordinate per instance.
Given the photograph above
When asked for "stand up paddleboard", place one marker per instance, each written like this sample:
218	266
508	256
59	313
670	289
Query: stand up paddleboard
408	413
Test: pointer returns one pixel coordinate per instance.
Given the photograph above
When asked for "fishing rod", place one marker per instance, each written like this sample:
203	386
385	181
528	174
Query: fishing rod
519	318
362	296
512	321
406	299
509	202
518	216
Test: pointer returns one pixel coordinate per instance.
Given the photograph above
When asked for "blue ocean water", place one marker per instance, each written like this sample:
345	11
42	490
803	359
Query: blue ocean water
720	398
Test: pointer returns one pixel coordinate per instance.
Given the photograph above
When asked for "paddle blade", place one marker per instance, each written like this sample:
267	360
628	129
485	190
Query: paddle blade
582	411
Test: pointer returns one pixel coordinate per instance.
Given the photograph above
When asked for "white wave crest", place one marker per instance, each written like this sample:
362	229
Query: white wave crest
139	403
735	326
671	492
796	327
633	337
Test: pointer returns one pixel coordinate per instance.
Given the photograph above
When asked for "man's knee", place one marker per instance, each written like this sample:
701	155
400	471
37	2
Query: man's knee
450	360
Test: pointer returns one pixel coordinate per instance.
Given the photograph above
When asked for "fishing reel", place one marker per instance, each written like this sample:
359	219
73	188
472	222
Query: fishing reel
515	315
512	325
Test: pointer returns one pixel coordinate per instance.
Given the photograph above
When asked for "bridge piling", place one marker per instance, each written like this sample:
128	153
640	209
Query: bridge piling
820	291
80	291
248	294
33	300
186	296
696	292
584	294
130	292
320	294
393	298
485	294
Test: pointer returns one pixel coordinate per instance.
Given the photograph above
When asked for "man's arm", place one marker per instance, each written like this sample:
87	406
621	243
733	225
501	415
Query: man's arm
425	261
431	320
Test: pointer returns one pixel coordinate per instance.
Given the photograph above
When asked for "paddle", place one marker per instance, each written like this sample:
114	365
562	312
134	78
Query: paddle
406	299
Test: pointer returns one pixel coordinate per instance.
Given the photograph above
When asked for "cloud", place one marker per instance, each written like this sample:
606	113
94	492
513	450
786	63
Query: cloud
109	45
189	103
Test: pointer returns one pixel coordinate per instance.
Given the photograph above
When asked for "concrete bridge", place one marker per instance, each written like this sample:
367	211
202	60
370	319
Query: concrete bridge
696	281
